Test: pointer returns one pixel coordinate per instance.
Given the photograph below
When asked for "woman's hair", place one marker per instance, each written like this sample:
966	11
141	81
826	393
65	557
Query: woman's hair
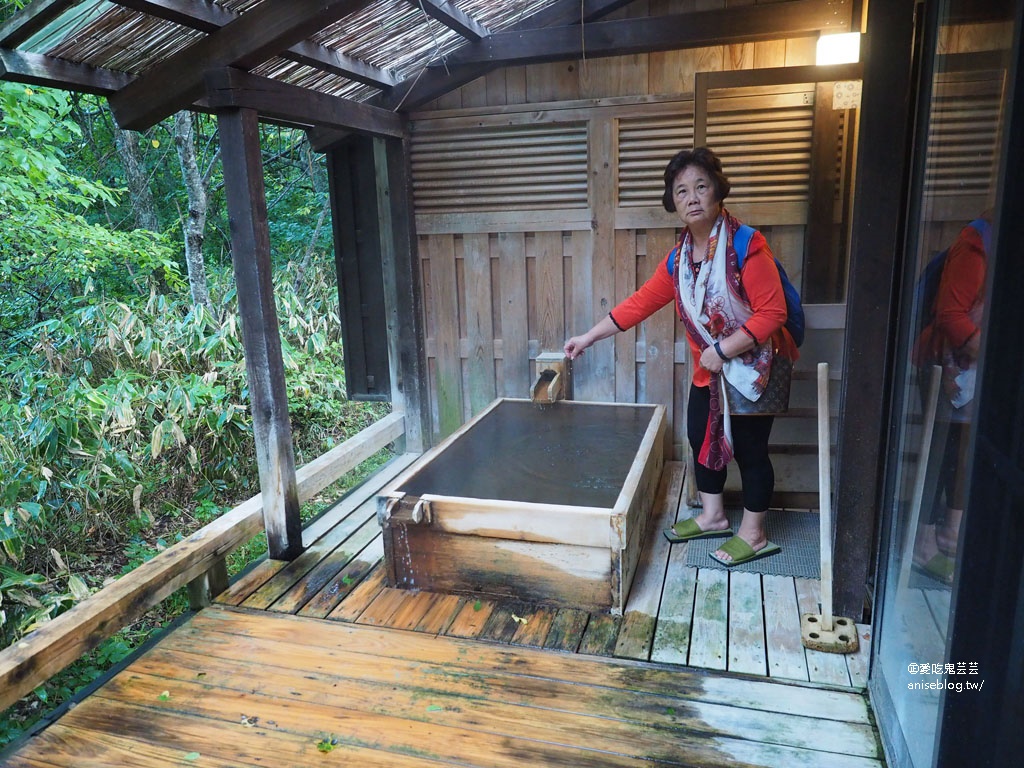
707	161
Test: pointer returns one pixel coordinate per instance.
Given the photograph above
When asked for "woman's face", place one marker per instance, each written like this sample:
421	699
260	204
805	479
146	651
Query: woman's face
695	197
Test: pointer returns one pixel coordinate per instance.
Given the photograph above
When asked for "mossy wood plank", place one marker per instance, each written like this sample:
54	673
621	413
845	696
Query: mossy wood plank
857	664
94	743
501	624
352	606
533	631
821	667
709	635
601	634
412	609
387	602
651	494
786	657
416	727
479	365
515	364
625	343
675	618
321	574
441	614
354	673
740	692
660	334
637	630
477	718
566	631
444	307
471	618
294	571
550	291
250	581
344	581
746	624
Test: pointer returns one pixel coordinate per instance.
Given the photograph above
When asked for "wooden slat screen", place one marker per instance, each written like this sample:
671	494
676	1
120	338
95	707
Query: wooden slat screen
645	145
764	140
518	167
963	136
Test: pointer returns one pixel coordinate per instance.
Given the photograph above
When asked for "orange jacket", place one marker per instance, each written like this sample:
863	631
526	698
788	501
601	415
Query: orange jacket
760	279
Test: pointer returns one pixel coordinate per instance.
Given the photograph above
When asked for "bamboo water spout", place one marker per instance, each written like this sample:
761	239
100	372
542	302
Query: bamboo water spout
551	378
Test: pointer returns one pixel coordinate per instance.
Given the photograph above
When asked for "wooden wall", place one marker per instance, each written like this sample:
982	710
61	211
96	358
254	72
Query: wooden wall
538	208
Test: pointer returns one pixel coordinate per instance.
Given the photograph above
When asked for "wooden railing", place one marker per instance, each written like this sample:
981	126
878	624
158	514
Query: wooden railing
197	562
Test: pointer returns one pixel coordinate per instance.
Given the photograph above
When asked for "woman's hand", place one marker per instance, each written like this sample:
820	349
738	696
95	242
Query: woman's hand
604	328
574	347
710	361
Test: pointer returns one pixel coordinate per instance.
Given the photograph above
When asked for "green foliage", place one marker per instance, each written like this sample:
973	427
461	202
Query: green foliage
48	249
124	418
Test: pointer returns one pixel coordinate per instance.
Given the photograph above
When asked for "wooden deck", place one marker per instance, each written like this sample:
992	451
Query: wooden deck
298	655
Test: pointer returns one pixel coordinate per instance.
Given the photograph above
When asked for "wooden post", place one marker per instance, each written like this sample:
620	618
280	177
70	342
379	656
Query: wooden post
406	341
820	631
250	254
204	588
825	497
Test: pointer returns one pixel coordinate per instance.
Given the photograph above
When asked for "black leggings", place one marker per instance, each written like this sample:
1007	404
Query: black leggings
750	447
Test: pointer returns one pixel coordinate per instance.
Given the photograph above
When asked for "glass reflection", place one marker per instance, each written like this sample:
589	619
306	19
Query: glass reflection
946	291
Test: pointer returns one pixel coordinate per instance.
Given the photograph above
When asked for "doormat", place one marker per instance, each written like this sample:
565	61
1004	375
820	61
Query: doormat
797	533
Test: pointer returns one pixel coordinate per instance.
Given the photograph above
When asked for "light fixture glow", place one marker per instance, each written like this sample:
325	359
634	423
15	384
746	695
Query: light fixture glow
838	49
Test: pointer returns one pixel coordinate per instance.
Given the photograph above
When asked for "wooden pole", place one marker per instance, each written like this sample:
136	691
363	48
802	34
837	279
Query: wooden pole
822	631
264	363
825	497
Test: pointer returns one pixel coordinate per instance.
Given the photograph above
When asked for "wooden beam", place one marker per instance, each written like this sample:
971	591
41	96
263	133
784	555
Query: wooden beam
261	336
429	84
257	35
209	17
452	18
30	19
229	87
886	126
204	16
657	33
321	57
570	12
36	69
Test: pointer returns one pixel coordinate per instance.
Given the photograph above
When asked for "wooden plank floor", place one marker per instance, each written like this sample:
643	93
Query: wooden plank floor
318	652
677	614
237	687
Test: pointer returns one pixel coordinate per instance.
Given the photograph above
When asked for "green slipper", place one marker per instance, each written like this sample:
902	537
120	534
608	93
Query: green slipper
688	529
940	567
741	552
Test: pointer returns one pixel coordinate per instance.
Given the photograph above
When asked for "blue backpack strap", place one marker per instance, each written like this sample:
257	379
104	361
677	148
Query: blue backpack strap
671	261
985	230
741	242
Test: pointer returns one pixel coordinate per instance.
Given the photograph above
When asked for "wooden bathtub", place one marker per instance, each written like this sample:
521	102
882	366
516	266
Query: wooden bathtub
545	504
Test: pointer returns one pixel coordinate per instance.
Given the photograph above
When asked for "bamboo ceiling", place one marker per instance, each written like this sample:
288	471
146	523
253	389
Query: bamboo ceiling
396	36
347	64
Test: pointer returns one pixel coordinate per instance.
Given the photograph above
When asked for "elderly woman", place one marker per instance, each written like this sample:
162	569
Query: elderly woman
734	318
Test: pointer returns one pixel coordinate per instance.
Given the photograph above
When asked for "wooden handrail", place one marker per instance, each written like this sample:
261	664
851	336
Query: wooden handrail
49	649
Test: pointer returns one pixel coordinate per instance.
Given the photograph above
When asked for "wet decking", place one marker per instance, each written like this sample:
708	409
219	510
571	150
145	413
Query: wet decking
700	617
317	662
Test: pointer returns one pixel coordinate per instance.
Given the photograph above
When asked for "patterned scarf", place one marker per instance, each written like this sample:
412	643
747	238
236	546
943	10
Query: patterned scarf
713	305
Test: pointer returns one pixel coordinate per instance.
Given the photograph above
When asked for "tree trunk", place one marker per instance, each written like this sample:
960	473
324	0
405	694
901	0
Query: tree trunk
195	222
318	190
141	195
